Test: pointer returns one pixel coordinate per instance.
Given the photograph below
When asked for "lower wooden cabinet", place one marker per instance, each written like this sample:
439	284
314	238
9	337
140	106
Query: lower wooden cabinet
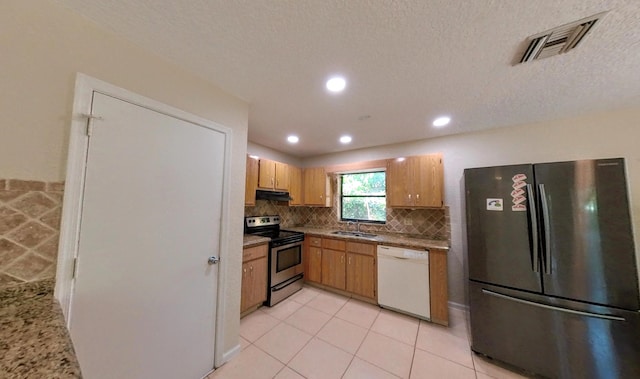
313	272
334	269
361	270
438	288
254	277
352	267
345	266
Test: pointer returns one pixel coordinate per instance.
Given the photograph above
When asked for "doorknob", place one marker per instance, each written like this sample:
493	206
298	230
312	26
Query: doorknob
213	260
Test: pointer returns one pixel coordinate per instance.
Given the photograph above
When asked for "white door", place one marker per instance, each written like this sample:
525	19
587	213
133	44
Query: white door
144	299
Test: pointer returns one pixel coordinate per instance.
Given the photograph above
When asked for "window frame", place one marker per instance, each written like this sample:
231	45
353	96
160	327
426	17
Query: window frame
342	196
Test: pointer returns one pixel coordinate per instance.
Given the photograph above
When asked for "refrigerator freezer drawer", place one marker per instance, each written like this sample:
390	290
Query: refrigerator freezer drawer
554	338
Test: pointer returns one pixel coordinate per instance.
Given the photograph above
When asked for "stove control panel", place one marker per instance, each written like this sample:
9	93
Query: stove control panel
257	221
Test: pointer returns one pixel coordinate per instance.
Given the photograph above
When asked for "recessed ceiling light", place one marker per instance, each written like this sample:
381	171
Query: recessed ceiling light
401	159
254	157
336	84
441	121
293	139
345	139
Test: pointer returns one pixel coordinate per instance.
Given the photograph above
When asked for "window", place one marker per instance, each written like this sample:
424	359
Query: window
362	197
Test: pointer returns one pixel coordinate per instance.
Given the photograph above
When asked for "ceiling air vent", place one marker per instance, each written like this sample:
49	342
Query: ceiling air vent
559	40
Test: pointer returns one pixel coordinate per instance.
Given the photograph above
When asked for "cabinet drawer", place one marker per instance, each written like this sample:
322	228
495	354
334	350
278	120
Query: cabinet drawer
315	241
333	244
254	252
361	248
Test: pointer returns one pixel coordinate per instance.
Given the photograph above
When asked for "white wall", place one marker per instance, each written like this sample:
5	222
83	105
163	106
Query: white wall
274	155
602	135
42	46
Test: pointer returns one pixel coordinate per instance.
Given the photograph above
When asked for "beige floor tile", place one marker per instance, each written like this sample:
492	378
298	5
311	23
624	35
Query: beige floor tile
493	369
343	334
359	313
320	360
328	303
397	326
308	319
387	353
305	295
283	342
480	375
359	369
256	324
288	373
441	341
251	363
282	310
429	366
244	343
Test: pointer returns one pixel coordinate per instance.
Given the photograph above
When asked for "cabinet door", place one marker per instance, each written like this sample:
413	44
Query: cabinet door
427	180
295	185
398	183
334	268
361	271
315	186
251	182
282	176
254	283
267	174
438	286
314	271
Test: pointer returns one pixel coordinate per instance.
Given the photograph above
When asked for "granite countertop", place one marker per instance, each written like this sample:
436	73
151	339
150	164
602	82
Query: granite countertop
396	239
34	341
252	240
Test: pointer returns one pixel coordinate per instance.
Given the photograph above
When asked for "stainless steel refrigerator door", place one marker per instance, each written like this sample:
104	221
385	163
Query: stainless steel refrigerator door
552	337
587	236
500	235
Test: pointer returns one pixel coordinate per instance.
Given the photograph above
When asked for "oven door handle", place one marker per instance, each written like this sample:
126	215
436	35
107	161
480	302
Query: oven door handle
284	284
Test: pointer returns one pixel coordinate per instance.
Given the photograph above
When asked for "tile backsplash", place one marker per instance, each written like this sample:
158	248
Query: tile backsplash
29	229
429	223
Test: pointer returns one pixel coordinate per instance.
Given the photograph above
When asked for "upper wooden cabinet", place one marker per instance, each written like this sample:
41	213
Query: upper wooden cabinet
251	181
273	175
415	182
295	185
317	188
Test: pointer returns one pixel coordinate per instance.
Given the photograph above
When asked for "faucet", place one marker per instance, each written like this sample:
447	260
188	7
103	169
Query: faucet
358	226
349	223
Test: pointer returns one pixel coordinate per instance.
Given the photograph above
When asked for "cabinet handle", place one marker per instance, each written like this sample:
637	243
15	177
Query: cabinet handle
251	269
409	196
349	260
342	259
417	197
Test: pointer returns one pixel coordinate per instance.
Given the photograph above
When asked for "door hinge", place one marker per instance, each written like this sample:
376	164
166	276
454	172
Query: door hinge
75	266
89	126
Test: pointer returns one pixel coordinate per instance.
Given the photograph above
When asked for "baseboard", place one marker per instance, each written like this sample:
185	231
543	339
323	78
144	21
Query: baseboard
460	306
228	355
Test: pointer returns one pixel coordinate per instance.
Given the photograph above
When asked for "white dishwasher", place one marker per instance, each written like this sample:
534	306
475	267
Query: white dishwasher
403	280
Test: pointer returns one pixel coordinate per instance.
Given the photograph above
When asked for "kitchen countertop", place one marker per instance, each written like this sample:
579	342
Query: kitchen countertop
34	341
397	239
253	240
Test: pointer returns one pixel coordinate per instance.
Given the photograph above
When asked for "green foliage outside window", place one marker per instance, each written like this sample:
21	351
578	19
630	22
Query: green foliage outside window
363	197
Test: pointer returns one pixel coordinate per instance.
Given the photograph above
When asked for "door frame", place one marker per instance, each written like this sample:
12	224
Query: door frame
85	86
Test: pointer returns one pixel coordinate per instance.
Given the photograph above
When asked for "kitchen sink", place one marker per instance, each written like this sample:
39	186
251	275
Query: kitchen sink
354	234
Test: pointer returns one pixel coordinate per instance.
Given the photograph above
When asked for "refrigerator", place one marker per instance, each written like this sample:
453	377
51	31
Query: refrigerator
553	282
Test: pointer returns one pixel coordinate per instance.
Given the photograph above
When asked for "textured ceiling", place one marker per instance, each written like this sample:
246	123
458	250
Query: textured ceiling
406	62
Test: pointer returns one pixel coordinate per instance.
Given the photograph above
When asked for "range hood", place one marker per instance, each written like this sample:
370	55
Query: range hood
273	195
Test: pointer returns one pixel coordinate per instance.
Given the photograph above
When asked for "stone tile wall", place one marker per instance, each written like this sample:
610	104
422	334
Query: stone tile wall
29	229
429	223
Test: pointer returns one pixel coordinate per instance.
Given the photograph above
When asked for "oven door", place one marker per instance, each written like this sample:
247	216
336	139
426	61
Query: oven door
286	262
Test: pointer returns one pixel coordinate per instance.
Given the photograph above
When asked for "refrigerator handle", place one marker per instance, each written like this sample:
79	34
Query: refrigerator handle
545	226
533	218
553	307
